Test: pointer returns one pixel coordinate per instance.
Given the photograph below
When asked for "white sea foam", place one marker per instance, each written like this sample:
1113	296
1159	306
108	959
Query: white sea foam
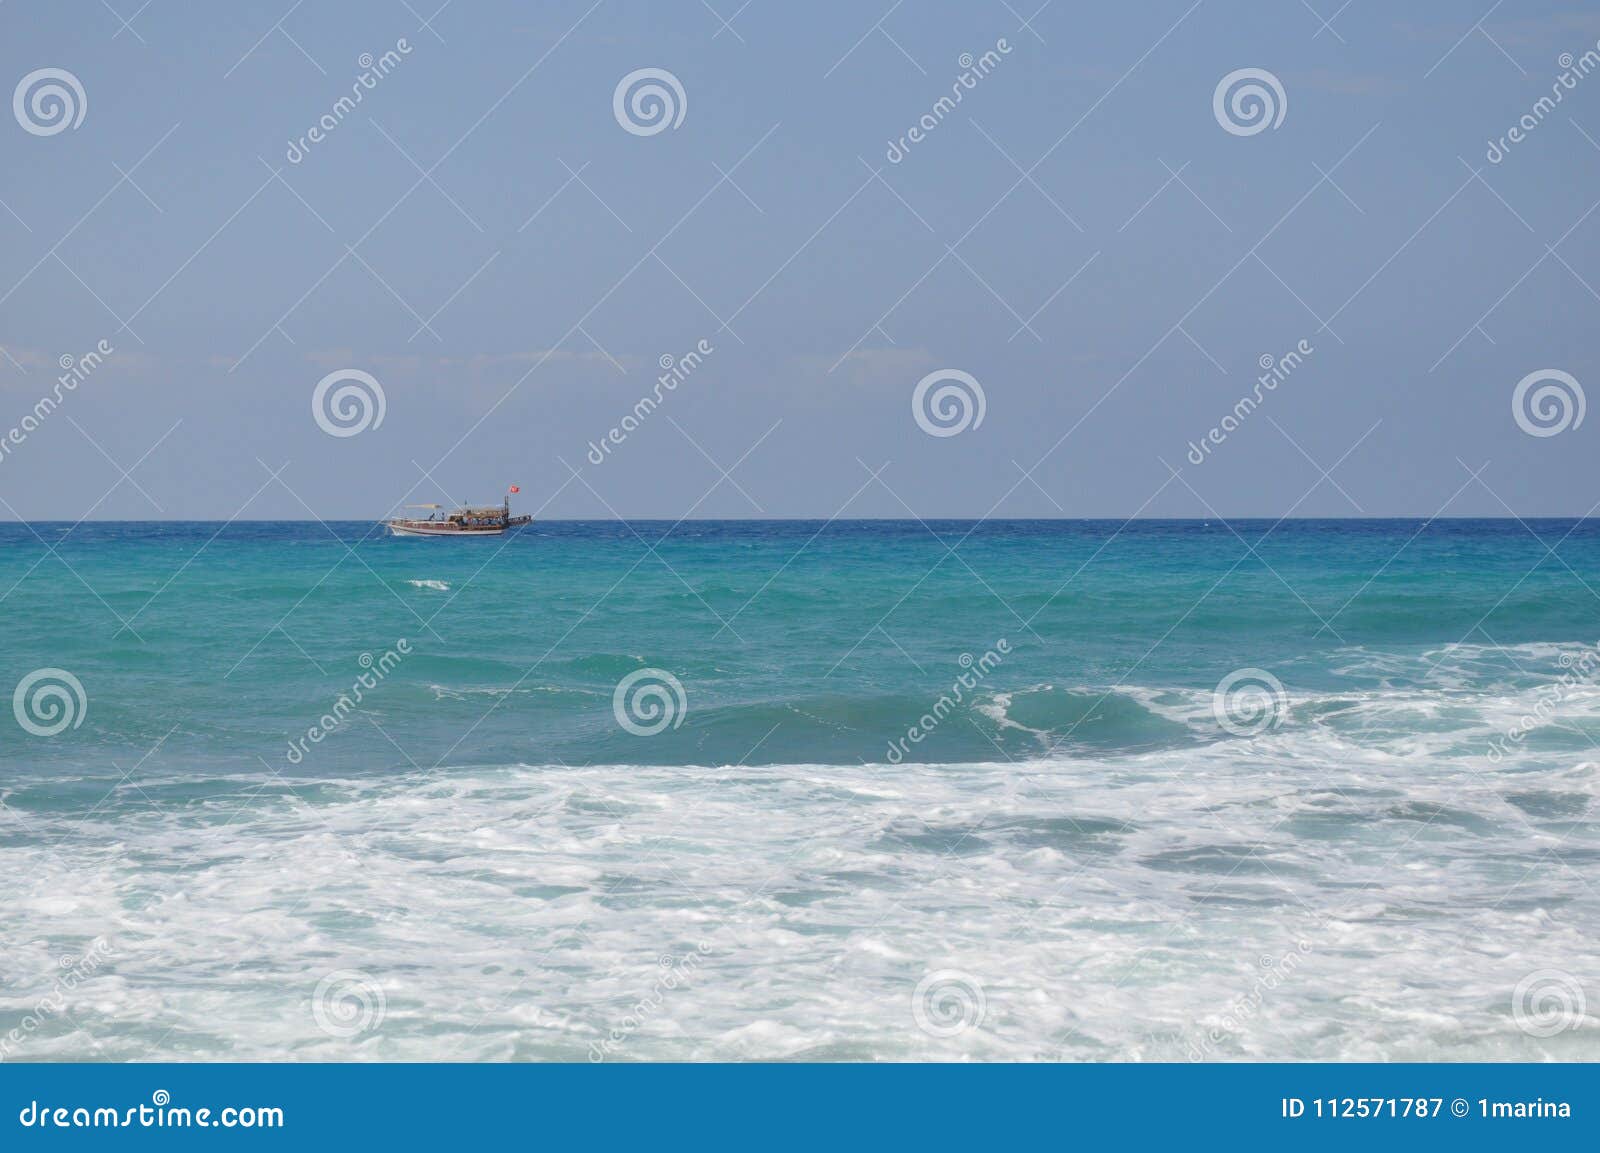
998	710
467	692
1393	883
436	586
1359	882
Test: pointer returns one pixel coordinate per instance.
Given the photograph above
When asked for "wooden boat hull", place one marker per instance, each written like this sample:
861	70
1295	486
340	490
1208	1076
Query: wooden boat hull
403	527
442	530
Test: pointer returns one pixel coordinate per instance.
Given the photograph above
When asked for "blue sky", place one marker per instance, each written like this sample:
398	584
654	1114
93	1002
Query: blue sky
1084	185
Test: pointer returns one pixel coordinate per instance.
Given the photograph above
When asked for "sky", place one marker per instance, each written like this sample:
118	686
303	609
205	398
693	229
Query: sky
1100	242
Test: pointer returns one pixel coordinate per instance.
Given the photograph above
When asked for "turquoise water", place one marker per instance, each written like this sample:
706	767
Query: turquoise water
887	752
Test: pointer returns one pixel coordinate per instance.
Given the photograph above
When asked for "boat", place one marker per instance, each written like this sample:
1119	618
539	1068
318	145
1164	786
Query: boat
468	520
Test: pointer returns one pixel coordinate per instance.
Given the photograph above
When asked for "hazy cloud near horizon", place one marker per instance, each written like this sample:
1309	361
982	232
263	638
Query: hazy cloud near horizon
1358	280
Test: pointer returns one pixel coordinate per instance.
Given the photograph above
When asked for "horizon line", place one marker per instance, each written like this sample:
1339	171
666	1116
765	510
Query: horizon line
1512	519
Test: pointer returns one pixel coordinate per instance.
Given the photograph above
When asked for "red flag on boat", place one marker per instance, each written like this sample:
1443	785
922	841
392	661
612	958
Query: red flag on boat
515	488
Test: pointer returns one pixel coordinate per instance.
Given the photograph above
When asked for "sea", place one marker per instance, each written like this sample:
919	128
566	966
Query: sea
801	790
